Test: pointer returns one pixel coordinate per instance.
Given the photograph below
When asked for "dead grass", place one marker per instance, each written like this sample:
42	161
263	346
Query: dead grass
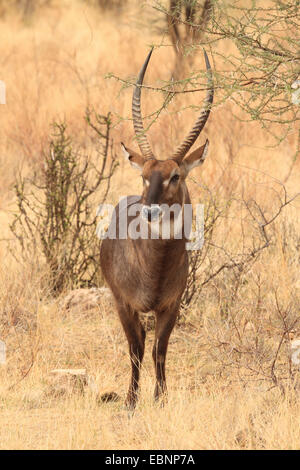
202	411
54	67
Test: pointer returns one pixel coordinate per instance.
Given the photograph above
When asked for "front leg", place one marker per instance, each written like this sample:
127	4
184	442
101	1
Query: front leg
165	321
135	334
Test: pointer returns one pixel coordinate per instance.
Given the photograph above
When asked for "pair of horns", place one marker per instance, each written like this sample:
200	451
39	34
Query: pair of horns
182	150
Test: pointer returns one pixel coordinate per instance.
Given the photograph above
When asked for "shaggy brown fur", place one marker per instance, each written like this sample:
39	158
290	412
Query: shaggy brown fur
147	274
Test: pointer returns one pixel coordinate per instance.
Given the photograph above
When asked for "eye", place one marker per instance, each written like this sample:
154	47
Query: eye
174	179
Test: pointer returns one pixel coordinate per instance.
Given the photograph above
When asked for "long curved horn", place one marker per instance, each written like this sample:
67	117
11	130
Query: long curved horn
136	113
200	123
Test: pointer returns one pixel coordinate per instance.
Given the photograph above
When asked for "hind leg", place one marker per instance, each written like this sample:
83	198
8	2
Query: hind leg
135	335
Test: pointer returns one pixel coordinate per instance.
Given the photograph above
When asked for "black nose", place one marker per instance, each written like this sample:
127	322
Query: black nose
151	213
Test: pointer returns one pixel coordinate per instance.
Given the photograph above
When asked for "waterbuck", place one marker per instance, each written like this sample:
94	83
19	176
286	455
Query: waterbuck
147	274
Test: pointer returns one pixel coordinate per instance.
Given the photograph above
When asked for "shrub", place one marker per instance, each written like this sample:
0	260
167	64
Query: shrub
56	216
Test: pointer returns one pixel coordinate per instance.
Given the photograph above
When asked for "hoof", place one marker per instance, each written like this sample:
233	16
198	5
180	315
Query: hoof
130	402
129	405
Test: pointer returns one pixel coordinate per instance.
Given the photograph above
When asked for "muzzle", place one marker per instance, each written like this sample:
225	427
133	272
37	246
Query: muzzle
151	213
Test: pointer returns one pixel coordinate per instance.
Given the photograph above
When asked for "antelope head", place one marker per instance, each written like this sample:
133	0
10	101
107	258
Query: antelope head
164	180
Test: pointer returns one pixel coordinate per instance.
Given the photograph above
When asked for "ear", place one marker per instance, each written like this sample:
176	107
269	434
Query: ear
135	159
195	158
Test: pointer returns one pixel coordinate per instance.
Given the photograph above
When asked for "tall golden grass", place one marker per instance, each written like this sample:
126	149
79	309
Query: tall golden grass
54	65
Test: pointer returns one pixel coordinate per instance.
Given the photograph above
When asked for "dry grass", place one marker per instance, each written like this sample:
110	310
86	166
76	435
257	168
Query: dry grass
54	66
